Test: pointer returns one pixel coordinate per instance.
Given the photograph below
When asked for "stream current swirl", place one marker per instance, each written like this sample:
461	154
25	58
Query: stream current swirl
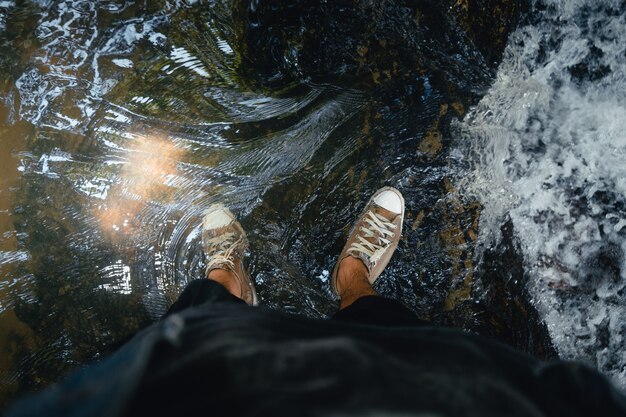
124	121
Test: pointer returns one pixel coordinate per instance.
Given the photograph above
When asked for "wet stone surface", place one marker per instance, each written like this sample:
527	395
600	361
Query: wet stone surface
291	113
375	45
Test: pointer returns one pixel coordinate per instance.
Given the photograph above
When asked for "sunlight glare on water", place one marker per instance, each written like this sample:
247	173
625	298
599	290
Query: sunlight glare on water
123	131
147	174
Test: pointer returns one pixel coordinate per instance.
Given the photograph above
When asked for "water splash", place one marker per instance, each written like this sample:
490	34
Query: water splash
547	149
5	8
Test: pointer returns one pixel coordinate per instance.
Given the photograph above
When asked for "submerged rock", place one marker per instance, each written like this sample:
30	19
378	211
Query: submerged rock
370	43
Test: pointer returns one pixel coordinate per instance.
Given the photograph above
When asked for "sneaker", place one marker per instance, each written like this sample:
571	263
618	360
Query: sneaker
375	236
224	242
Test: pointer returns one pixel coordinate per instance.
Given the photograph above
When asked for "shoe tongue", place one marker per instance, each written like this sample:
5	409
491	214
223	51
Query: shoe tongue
363	258
381	211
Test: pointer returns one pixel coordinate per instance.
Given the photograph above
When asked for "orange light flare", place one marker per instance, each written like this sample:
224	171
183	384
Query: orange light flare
150	163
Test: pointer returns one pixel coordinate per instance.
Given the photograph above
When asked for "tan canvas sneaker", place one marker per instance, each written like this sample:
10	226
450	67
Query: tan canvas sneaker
375	236
225	242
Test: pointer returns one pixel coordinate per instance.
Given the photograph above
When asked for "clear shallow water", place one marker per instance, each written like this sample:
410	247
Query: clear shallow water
124	121
547	150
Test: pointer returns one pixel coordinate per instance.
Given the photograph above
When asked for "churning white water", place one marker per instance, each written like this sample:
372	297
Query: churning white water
5	6
547	149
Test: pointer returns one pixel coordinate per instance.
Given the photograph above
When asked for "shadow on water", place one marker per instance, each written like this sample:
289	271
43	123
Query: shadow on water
291	113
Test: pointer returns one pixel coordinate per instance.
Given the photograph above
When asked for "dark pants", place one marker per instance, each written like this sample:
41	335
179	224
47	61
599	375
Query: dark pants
217	356
370	309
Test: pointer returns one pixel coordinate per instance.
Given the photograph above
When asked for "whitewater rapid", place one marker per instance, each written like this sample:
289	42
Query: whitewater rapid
546	149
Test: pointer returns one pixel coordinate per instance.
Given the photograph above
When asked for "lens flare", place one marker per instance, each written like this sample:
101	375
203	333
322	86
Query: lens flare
146	177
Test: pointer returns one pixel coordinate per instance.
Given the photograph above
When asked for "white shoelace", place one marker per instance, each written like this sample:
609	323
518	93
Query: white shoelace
221	251
380	228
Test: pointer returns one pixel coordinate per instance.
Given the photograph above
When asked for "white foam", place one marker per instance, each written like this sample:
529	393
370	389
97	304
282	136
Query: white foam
5	8
324	276
548	149
123	63
157	39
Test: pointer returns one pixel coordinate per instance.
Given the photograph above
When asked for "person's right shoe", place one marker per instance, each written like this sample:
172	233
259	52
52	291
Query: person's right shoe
376	234
225	242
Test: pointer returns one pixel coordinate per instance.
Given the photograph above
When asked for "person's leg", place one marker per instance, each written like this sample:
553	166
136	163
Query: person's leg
203	291
228	281
367	251
352	281
225	243
360	303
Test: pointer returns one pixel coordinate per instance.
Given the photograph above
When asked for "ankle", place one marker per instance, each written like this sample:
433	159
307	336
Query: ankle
352	268
227	279
353	281
351	295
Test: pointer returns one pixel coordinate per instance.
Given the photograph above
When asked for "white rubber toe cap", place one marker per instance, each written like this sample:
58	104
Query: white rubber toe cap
216	217
389	200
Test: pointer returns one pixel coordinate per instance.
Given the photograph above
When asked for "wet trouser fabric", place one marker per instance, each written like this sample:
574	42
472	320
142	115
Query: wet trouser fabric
202	292
212	355
370	309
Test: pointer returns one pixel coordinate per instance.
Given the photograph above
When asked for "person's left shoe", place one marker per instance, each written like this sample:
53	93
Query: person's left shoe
225	242
375	235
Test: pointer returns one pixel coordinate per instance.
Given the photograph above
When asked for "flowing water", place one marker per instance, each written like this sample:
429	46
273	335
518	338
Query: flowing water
123	121
547	149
